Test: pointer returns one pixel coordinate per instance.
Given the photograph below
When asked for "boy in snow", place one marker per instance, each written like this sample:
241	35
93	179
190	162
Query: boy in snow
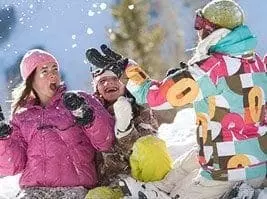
53	134
226	81
137	150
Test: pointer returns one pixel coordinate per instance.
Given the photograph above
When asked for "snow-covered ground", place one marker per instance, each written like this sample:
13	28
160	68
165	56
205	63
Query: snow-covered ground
179	135
9	187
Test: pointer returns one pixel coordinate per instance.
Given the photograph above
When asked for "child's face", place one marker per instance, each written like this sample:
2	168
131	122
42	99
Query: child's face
46	80
110	88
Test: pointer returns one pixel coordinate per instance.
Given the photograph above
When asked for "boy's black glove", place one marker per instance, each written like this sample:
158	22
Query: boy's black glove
79	108
183	67
5	129
171	71
109	61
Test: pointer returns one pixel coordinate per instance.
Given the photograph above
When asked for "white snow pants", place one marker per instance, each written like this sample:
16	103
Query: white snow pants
184	180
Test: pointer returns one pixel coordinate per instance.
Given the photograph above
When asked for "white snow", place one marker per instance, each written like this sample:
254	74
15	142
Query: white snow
9	187
91	13
89	31
263	194
103	6
179	135
73	37
131	7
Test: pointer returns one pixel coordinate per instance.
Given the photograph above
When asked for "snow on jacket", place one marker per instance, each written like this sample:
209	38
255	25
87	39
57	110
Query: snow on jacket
116	161
50	149
226	82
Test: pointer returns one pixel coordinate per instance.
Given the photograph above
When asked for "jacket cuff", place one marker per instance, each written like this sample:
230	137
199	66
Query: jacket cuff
120	134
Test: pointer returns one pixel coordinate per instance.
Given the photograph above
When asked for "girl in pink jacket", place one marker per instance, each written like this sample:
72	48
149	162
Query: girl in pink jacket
53	135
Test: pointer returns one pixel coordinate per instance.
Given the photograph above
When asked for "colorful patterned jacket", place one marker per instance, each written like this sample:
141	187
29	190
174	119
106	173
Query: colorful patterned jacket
227	83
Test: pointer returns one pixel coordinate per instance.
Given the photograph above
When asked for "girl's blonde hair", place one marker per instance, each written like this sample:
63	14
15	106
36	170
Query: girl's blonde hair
22	92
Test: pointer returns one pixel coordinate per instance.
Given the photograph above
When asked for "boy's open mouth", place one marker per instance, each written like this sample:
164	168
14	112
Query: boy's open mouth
111	90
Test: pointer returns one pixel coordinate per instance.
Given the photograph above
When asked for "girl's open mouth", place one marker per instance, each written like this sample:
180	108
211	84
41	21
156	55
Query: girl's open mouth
53	86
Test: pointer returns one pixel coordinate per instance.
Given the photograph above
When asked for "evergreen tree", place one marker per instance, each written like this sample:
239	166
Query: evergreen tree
135	37
149	32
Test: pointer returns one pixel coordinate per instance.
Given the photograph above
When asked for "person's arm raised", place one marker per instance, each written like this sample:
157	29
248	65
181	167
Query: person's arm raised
12	147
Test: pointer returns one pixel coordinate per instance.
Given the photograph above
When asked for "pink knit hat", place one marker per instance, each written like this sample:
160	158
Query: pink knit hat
32	59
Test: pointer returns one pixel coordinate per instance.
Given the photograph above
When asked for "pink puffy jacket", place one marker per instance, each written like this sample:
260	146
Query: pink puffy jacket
50	149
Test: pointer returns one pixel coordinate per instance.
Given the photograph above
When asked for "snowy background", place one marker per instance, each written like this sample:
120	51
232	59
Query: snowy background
68	27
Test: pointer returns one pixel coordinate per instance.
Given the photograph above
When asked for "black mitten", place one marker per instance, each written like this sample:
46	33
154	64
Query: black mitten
171	71
2	118
121	62
182	67
109	61
5	129
79	108
97	59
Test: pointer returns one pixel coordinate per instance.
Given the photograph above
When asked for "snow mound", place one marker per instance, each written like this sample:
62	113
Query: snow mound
9	187
180	135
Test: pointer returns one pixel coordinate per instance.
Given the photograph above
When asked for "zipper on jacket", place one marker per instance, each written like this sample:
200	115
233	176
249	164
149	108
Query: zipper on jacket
43	144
